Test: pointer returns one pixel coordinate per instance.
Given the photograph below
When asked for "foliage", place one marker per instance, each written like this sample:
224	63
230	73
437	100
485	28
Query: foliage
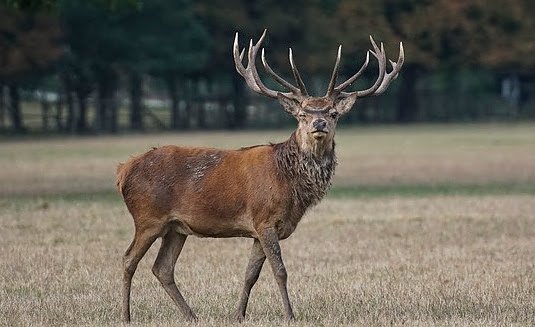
135	39
175	43
29	44
450	33
52	5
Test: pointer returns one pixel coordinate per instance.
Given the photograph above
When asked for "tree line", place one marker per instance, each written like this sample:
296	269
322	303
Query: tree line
90	55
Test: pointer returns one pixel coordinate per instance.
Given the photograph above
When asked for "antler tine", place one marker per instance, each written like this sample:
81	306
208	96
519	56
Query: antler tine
381	59
238	57
384	78
253	51
297	77
249	73
350	81
334	75
396	67
277	77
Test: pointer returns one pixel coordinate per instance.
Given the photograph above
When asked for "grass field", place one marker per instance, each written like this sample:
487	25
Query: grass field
425	225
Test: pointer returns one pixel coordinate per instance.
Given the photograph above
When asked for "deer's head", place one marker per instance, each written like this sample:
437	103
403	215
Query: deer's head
316	116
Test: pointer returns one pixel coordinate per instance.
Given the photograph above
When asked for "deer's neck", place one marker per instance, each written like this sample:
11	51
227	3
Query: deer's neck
307	172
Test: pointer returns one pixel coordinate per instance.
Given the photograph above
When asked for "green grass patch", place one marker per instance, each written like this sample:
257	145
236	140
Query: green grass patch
41	200
430	190
357	191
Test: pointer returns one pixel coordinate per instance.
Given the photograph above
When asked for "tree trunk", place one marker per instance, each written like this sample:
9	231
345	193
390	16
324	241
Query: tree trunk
187	89
71	113
14	109
81	122
408	109
198	104
69	100
136	107
106	111
113	107
45	109
2	108
239	101
102	105
175	109
59	112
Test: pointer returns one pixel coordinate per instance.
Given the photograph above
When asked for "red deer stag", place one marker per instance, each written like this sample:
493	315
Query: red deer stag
260	192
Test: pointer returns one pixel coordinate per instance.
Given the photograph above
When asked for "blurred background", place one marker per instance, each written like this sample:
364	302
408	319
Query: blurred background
113	66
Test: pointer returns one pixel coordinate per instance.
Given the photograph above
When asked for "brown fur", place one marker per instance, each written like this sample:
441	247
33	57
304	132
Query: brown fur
317	102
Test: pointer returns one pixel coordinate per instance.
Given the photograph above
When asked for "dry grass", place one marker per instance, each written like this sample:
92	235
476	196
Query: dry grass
372	261
432	261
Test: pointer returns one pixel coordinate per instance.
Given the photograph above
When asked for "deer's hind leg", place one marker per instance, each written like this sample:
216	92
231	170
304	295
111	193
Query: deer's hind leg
164	268
143	239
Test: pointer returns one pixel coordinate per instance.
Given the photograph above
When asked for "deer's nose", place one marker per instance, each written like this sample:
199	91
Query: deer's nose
319	124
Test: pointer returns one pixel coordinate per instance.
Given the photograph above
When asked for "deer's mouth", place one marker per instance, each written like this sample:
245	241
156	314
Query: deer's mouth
319	134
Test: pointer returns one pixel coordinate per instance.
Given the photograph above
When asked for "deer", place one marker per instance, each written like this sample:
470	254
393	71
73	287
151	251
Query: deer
259	192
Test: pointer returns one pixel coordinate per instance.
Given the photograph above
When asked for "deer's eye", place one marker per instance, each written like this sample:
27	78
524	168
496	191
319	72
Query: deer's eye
302	115
334	114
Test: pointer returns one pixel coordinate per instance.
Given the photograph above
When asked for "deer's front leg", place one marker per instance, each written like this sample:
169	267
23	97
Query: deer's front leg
270	244
256	260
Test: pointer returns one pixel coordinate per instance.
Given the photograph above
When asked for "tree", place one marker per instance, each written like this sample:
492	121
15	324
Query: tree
29	45
167	41
96	43
221	22
451	34
506	41
161	37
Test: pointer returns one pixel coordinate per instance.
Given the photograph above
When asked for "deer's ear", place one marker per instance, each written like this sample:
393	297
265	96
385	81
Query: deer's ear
344	105
290	105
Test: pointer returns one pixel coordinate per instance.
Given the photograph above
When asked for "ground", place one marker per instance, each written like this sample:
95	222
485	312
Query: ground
425	225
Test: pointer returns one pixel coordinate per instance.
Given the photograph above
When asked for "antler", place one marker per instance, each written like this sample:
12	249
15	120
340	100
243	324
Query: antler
252	78
383	80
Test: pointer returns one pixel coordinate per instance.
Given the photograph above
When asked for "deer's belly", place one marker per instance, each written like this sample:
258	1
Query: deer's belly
214	226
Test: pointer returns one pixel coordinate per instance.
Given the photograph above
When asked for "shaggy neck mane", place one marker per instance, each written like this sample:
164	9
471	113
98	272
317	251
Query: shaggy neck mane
309	175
